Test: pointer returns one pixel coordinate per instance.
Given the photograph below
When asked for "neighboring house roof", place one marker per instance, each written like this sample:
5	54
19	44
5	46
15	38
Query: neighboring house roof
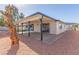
70	23
37	14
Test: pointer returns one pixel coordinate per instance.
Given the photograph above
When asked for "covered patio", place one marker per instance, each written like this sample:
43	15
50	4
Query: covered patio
37	26
47	38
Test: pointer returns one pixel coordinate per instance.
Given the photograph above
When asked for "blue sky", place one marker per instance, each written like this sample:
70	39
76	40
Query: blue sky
64	12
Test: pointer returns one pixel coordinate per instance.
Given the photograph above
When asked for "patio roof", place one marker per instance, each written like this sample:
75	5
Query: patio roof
38	16
67	23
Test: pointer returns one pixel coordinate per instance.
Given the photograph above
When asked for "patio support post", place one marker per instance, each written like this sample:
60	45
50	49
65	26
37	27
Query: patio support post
18	28
41	28
29	29
22	28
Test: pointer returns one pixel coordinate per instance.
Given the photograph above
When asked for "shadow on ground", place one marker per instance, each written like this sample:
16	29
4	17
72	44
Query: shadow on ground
36	45
13	50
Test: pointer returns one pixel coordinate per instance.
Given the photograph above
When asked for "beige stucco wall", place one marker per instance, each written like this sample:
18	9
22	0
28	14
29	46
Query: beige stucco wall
52	28
58	29
36	26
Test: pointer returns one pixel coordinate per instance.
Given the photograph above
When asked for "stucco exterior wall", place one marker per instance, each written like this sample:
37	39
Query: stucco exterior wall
60	27
52	28
36	27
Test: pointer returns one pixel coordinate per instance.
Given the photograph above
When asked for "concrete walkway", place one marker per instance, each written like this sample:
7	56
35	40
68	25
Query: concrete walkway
68	44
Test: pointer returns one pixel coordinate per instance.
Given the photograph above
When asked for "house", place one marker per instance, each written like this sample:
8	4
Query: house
72	26
69	26
49	24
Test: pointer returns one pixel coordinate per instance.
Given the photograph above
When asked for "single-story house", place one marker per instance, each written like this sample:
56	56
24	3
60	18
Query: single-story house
72	26
69	26
49	24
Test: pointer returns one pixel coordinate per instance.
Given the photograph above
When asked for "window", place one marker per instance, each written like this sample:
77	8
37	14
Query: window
31	27
60	26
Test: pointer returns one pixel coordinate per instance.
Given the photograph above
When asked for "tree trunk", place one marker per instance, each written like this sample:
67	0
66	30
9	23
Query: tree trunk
13	35
12	29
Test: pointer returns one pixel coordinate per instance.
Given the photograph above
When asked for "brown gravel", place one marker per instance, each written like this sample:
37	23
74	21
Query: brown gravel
66	45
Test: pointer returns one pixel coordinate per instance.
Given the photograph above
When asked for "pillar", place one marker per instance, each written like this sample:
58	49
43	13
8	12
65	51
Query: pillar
41	28
29	29
22	28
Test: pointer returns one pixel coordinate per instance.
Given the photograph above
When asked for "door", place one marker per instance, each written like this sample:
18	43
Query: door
45	27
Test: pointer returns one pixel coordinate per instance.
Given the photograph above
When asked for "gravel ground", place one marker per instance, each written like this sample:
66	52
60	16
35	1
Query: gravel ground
65	45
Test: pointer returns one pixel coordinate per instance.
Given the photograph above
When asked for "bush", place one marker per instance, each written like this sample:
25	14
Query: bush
2	22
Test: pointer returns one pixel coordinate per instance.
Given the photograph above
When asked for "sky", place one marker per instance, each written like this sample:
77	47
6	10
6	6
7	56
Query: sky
64	12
